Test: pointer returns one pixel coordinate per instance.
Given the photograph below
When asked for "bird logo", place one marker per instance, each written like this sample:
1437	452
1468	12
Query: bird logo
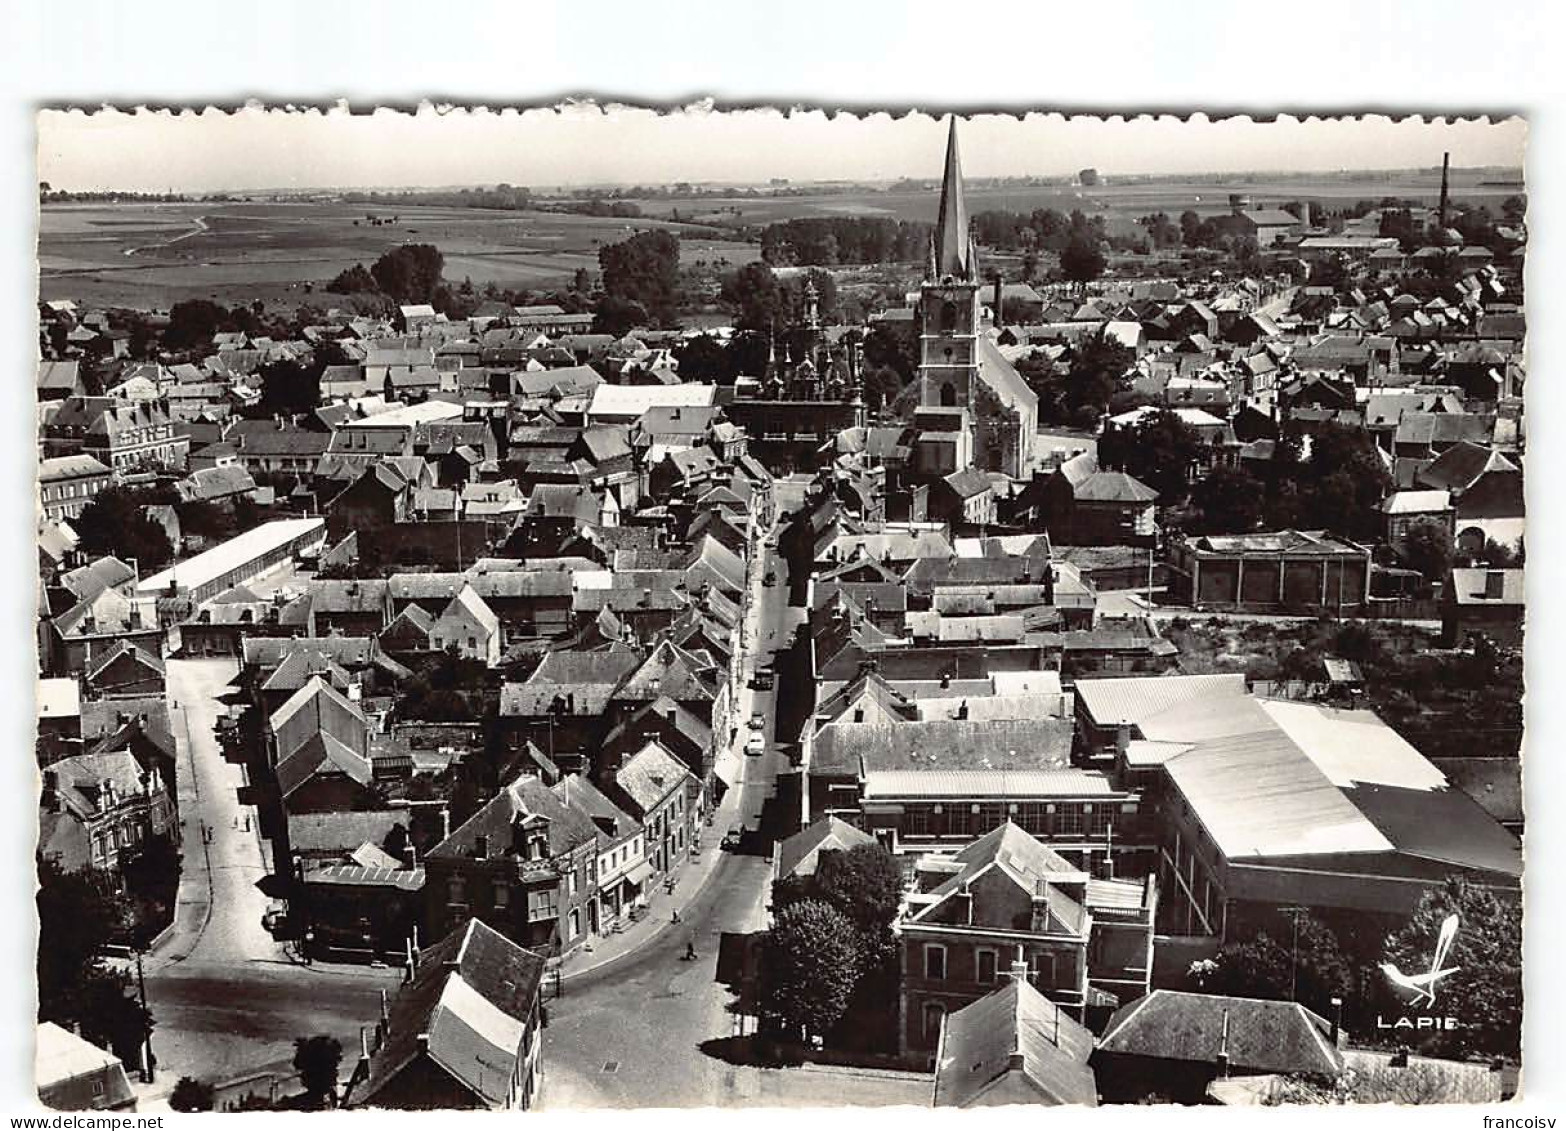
1423	985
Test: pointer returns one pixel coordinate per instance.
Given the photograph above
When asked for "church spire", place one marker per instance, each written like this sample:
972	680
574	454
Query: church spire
953	247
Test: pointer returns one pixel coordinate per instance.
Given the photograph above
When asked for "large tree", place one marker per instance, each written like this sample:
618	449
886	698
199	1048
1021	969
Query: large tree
114	523
79	914
753	294
810	963
1427	547
410	273
865	883
1231	501
1262	964
290	387
1159	450
644	269
317	1059
1484	992
1082	260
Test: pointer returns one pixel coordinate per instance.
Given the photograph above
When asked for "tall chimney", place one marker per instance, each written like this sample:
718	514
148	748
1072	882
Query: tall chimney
1446	167
996	320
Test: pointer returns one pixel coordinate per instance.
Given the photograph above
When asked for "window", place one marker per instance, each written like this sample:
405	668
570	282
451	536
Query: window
986	964
457	890
542	904
1068	820
935	962
917	821
576	923
502	895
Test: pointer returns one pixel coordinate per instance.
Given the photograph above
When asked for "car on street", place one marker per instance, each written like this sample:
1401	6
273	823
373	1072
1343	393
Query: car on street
758	721
770	580
755	744
762	680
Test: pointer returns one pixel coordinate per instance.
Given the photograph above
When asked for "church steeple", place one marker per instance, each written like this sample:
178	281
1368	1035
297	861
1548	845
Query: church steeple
952	247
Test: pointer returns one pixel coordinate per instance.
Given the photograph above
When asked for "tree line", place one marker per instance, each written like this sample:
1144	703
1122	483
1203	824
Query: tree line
830	241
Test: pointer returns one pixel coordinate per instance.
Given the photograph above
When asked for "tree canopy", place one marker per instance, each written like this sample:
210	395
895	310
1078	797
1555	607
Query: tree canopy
644	269
114	523
811	960
1159	450
410	273
79	914
1231	501
1082	260
1484	993
317	1059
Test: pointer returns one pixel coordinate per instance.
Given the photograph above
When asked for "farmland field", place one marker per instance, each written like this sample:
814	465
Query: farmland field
151	255
1120	204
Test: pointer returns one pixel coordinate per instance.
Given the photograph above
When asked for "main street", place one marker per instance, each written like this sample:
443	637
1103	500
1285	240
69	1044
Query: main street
652	1029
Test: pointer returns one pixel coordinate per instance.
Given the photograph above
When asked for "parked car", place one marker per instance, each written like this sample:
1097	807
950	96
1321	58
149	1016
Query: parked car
762	680
755	744
758	721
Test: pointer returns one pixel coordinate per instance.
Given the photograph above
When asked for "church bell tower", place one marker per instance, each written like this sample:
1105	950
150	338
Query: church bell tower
949	299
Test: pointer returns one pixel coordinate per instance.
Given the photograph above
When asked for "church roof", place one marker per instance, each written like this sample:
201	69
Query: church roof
953	251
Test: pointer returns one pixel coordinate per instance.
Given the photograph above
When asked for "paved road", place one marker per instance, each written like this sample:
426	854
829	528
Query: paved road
649	1029
631	1034
224	995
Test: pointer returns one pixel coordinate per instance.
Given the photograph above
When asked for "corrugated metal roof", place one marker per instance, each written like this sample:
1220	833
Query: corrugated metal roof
1257	794
1133	699
972	784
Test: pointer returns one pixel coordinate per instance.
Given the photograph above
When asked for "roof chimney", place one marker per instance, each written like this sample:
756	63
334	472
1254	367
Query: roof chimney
1019	966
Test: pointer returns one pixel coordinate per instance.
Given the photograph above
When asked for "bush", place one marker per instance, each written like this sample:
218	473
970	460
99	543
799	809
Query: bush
191	1095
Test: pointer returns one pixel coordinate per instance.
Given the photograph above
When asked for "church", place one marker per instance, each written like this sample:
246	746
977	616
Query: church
959	363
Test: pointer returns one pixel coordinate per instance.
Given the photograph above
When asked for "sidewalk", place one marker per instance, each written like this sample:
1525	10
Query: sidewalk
661	904
699	867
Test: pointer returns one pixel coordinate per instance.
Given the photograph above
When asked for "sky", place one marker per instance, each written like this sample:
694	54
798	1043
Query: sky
252	148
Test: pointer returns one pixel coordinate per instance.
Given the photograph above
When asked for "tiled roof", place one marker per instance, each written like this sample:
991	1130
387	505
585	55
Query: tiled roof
470	999
800	853
1033	744
650	775
983	1042
1256	1035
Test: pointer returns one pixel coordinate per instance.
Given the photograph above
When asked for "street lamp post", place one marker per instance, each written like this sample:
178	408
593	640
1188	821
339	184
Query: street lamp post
148	1073
1294	912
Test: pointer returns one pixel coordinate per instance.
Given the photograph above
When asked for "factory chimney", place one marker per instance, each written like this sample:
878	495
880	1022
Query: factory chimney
1446	167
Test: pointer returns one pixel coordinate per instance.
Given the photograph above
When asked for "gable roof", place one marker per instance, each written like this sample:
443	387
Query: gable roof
650	775
525	798
800	853
471	997
1014	1031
